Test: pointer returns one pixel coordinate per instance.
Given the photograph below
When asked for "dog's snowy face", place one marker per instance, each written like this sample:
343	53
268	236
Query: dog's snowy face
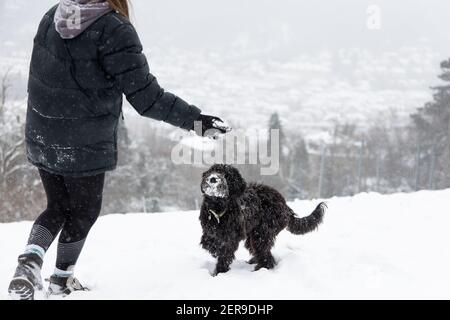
215	185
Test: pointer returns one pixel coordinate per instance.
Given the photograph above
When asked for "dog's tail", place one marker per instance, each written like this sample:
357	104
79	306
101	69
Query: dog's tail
307	224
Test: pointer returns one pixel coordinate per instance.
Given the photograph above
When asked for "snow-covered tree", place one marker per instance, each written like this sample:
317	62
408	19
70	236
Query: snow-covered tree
298	178
431	131
11	139
18	180
279	180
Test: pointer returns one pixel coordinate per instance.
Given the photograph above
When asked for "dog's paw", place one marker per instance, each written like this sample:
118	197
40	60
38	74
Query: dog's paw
268	263
219	270
252	261
263	266
258	267
216	273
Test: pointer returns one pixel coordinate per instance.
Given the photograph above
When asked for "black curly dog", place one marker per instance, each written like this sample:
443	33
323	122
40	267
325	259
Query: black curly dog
233	211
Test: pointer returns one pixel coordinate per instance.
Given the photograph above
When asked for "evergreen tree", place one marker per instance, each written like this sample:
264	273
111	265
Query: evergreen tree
431	131
300	170
275	124
278	180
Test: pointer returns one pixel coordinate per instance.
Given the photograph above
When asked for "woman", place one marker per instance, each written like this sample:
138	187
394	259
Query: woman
86	55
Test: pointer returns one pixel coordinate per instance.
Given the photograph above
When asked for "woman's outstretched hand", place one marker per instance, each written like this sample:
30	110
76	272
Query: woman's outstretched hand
211	127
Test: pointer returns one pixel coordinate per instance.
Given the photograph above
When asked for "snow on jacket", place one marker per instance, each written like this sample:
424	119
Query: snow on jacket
75	95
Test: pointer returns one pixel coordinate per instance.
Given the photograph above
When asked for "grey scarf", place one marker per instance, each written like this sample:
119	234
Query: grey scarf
74	16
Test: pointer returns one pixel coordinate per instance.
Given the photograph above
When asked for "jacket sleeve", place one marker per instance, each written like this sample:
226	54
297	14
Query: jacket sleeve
122	58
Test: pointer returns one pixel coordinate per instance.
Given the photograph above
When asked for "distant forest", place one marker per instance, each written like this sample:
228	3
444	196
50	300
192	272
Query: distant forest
384	158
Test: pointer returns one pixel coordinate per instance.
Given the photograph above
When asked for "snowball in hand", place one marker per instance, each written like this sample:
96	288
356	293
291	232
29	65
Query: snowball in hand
222	126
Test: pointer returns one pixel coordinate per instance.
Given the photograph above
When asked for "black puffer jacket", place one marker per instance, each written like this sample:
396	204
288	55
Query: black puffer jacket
75	95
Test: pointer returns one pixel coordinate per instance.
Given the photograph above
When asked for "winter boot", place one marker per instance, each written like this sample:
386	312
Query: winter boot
27	279
63	286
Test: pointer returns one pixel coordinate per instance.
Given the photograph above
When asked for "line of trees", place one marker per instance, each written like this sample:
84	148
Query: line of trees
382	158
385	157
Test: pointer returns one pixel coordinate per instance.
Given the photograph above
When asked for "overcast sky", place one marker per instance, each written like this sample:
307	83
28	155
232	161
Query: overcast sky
292	25
274	49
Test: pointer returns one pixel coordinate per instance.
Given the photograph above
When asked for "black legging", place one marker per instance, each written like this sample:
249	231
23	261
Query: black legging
73	206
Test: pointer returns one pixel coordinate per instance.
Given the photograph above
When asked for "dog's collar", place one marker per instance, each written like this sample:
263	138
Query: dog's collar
216	215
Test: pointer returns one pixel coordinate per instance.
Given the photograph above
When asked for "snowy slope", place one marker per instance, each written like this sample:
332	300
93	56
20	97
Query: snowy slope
371	246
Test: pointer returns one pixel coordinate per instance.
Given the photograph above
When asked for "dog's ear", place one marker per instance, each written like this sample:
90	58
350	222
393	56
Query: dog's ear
236	184
204	175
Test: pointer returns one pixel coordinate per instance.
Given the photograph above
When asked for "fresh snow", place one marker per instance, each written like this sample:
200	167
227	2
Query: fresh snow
370	246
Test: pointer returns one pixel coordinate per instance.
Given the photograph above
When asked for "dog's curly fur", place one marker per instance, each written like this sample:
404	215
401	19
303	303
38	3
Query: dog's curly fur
233	211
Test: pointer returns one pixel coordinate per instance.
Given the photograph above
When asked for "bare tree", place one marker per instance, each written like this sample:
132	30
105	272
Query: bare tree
4	87
11	141
9	155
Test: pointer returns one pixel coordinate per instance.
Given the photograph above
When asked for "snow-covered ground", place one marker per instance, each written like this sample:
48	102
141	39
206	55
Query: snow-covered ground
370	246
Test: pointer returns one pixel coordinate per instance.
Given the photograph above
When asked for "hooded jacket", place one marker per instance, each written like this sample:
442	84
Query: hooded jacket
75	94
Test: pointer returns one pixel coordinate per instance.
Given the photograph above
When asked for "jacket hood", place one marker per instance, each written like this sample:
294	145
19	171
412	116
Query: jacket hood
73	17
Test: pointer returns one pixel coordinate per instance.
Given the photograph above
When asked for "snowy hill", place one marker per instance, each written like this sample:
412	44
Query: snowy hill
370	246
